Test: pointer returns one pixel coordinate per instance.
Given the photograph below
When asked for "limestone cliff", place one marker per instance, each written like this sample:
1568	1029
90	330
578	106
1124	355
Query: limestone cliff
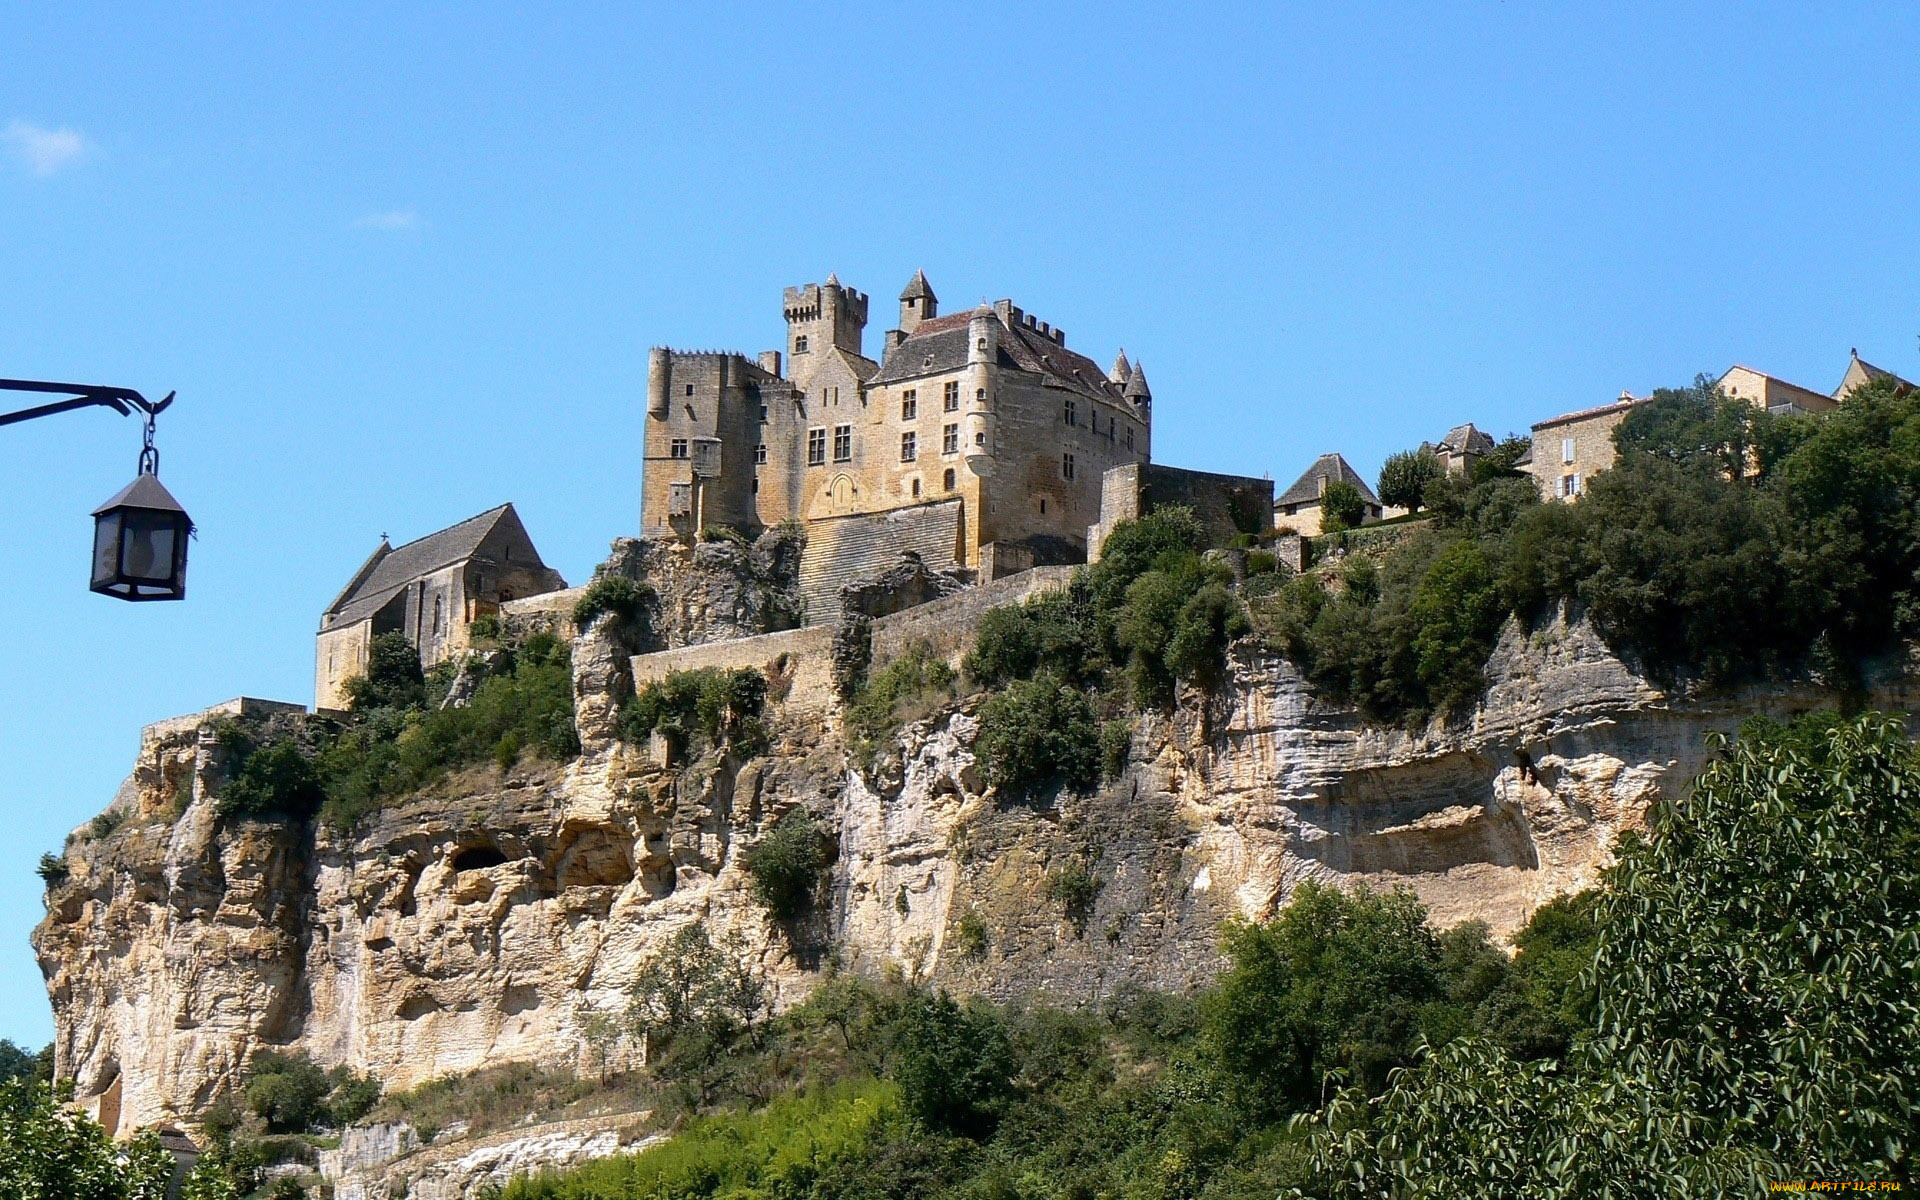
479	923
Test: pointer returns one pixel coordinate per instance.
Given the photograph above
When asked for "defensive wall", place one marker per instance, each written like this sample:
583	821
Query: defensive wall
798	663
1226	505
858	546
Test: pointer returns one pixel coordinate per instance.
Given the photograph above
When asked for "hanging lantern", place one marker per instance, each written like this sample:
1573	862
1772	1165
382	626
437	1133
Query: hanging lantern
140	537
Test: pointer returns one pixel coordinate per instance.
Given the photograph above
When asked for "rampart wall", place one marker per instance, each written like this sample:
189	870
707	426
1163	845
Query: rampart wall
843	549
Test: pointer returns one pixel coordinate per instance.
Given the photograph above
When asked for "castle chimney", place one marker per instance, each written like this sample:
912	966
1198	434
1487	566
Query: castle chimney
770	361
659	382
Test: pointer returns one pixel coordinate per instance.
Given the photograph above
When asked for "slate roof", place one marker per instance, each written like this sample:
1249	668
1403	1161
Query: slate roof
918	288
1465	439
939	346
391	568
1875	373
1306	489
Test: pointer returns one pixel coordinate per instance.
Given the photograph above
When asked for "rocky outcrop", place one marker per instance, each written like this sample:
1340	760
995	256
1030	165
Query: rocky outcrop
488	921
384	1161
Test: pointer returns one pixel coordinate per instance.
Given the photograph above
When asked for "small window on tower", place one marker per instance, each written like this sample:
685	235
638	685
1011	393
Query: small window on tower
677	448
1129	437
980	438
763	412
950	398
980	395
760	453
800	344
909	404
689	389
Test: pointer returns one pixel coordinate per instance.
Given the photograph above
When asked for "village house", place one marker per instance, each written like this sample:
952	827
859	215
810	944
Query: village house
1568	450
1299	507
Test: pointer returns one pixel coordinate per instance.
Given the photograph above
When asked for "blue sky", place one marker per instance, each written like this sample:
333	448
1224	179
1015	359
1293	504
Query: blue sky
404	262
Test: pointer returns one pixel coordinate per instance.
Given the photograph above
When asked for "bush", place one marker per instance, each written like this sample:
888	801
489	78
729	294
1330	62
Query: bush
909	687
1047	633
288	1092
1116	744
1038	733
970	936
788	865
393	679
278	779
1341	507
713	704
1074	888
626	600
52	869
1404	478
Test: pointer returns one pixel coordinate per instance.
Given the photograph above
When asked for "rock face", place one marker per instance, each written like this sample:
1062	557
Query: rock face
485	922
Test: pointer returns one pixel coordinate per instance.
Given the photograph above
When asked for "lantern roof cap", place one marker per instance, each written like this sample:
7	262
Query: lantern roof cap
144	492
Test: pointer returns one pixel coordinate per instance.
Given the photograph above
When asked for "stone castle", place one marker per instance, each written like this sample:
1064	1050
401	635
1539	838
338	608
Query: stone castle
978	440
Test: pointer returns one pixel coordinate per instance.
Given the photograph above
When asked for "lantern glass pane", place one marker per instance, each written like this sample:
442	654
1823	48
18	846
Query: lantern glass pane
106	547
146	546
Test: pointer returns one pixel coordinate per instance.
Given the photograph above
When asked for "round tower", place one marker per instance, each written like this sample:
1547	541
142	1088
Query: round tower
983	350
659	382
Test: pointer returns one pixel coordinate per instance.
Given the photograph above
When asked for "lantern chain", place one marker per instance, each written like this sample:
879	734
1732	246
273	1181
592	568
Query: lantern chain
149	454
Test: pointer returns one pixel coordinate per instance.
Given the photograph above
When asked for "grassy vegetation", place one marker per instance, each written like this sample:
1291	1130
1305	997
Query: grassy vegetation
707	706
393	743
911	687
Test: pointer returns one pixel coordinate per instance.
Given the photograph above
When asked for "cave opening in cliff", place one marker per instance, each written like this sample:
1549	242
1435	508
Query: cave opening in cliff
478	858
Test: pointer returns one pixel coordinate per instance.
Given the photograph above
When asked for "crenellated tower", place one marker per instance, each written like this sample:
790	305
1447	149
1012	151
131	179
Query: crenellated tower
820	317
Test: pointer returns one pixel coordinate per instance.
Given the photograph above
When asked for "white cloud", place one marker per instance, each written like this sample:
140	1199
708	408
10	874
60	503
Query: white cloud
399	218
46	151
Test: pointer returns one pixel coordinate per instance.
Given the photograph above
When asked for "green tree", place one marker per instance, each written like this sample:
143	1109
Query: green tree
1338	981
956	1064
1755	1015
393	679
1404	478
51	1152
1341	506
287	1091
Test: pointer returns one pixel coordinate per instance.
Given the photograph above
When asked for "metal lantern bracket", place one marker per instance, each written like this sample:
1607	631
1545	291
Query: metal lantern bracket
141	534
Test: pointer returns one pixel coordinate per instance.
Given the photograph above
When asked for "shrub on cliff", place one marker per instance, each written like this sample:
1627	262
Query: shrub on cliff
275	779
710	704
1038	733
910	687
788	865
626	600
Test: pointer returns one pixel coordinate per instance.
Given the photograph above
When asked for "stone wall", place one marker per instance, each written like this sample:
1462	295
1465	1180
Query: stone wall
1227	505
945	627
798	663
841	550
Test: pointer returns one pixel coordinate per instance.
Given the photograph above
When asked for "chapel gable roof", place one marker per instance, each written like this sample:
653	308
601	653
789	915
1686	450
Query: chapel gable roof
1330	467
391	568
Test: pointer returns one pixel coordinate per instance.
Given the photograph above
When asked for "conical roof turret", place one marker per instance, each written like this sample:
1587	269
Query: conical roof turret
1122	370
1137	389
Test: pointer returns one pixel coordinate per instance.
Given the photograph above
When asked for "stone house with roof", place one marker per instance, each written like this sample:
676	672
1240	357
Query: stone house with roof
1460	447
978	440
1568	450
1298	508
432	590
